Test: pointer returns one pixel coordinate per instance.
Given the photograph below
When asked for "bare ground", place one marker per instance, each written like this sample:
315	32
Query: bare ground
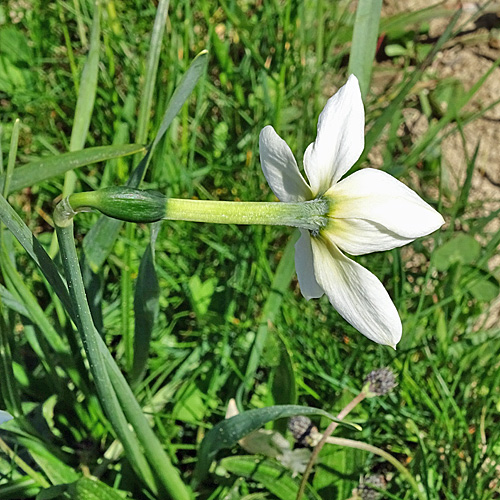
466	58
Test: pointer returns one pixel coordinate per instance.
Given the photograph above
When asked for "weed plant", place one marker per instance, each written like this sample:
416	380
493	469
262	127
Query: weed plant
194	315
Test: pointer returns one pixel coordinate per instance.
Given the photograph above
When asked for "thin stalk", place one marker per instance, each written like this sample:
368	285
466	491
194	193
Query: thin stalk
38	478
159	460
359	445
329	430
135	205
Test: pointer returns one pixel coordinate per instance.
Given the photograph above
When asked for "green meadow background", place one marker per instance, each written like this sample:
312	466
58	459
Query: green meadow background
195	314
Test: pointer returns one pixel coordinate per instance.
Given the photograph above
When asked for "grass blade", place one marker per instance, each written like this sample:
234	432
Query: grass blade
8	383
151	71
146	306
156	455
86	97
181	94
28	241
83	489
12	157
376	130
45	168
364	42
114	393
141	136
281	281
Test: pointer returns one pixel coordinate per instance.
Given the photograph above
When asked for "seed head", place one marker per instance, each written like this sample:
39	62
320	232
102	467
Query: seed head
380	382
303	430
366	492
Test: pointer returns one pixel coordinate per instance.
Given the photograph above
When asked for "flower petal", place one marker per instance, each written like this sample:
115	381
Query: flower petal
304	267
340	140
359	236
375	196
357	294
280	168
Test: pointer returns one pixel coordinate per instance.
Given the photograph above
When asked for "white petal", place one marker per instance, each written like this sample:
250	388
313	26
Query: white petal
359	236
5	417
357	294
232	409
304	267
378	197
280	168
340	140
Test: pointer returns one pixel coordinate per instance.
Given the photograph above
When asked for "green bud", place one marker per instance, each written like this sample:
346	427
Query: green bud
128	204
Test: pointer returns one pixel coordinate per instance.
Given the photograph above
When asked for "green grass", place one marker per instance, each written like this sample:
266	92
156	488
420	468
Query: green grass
268	63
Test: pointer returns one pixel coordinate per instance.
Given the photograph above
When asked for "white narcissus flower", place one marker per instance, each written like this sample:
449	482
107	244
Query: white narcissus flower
369	211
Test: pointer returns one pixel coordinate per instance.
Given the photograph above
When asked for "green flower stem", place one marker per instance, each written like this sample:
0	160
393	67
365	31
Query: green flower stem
306	215
135	205
111	386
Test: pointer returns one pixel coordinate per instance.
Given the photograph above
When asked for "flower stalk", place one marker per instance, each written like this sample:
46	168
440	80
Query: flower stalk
310	215
324	439
377	383
359	445
135	205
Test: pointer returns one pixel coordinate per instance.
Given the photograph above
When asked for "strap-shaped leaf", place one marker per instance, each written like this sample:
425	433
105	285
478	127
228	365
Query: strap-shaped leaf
51	166
83	489
27	239
228	432
281	281
86	97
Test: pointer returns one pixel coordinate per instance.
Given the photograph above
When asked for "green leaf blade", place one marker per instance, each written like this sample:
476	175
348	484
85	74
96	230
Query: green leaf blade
52	166
364	42
146	307
228	432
